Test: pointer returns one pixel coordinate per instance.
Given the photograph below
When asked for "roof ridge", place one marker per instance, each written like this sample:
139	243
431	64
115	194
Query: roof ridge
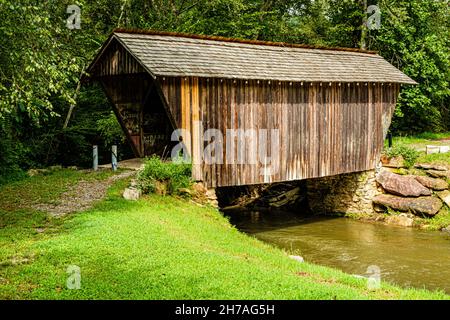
237	40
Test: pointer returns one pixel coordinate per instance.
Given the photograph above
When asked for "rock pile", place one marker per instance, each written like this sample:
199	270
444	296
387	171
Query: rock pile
419	195
406	186
204	195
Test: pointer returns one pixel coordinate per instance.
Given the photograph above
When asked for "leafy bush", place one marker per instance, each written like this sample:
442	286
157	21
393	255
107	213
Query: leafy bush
409	154
13	154
174	175
110	130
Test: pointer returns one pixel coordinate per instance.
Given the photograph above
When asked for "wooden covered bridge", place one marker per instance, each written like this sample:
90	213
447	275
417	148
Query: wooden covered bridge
329	107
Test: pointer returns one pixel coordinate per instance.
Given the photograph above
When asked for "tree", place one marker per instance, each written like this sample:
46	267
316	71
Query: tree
415	37
34	67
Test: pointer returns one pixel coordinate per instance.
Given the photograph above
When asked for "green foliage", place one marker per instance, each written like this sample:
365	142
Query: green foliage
344	22
34	64
10	158
12	153
110	130
26	144
420	141
415	37
173	175
409	154
436	158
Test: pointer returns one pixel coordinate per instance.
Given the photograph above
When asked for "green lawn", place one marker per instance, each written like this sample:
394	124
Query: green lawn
436	158
420	141
155	248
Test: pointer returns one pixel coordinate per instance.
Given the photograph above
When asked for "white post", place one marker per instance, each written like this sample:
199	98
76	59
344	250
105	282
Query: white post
95	157
114	157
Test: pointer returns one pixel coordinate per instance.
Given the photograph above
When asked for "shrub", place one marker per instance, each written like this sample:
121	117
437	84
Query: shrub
175	176
409	154
110	130
13	155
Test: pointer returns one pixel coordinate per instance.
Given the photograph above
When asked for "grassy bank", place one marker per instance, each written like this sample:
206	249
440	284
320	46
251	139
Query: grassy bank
154	248
423	139
419	142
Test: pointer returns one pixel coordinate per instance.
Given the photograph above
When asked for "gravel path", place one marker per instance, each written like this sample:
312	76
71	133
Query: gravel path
81	196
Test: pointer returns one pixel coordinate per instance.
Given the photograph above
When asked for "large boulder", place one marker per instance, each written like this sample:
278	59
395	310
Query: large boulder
297	258
405	186
429	166
439	174
393	162
422	205
432	183
400	220
131	194
445	196
199	188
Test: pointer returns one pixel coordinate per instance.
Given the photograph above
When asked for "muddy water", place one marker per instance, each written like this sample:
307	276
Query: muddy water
407	257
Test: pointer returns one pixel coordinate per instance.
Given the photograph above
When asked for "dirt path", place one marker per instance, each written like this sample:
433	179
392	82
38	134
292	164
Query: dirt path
81	196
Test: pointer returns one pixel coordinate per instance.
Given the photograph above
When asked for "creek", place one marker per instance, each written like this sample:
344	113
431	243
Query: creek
407	257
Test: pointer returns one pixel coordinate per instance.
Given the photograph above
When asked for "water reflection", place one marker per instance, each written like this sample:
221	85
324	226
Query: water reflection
406	256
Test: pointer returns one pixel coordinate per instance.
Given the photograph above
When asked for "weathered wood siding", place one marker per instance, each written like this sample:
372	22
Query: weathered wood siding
116	60
325	129
140	112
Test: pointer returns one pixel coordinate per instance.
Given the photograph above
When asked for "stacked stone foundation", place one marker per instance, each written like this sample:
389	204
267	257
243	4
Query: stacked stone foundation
350	193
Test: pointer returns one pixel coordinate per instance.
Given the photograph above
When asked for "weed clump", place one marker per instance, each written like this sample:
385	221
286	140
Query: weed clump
164	177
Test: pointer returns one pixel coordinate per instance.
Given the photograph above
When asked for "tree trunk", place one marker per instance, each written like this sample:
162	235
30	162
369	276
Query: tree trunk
364	26
72	106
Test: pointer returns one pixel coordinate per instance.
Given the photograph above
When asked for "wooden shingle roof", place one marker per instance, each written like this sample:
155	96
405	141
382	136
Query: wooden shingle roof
166	54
